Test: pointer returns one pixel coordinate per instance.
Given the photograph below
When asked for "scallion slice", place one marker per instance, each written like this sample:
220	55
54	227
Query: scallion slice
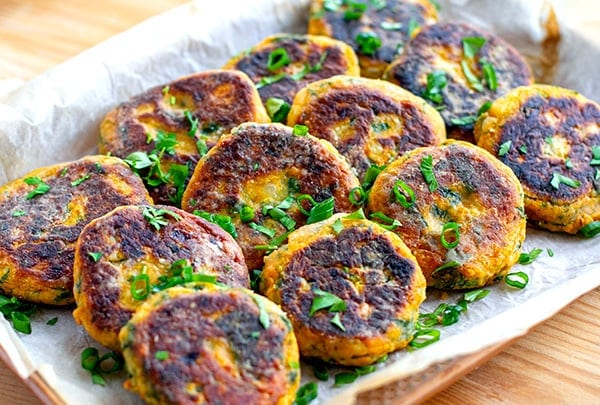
517	280
424	337
453	228
278	58
404	194
590	230
357	196
427	172
140	287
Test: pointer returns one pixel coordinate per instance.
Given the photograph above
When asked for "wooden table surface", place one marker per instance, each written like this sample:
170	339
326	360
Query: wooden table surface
557	362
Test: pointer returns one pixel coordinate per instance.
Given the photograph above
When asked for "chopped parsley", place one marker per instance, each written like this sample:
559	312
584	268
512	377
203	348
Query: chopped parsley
354	10
157	217
40	189
80	180
368	43
436	82
558	179
472	45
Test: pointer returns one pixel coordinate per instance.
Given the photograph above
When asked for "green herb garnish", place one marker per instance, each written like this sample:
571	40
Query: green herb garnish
404	194
40	189
300	130
472	45
489	75
558	179
277	109
590	230
354	10
306	393
80	180
223	221
278	58
413	25
453	228
385	222
95	256
471	78
18	313
528	258
161	355
466	120
157	217
436	82
326	300
504	148
517	280
427	172
368	43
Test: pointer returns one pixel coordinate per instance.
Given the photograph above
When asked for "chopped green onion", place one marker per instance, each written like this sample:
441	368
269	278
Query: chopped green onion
80	180
140	287
489	75
267	80
378	4
306	393
95	256
323	300
484	108
332	5
448	265
157	218
357	196
255	279
370	176
466	120
284	219
413	25
41	187
337	226
523	149
263	315
336	321
345	377
262	229
452	227
223	221
517	280
427	172
89	358
368	43
354	11
528	258
404	194
21	322
246	214
436	82
18	213
52	321
321	211
300	130
504	148
110	362
558	179
358	214
590	230
471	78
277	109
388	223
278	58
568	163
472	45
193	121
161	355
424	337
475	295
595	155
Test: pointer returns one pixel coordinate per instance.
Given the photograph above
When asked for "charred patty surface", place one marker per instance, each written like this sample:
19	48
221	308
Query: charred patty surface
211	345
129	253
42	215
460	210
550	138
296	60
392	22
367	271
476	66
178	123
258	168
371	122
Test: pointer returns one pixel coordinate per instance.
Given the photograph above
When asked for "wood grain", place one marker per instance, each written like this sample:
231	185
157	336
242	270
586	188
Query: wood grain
557	362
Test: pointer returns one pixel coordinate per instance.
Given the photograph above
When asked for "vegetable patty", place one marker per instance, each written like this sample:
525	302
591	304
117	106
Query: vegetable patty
134	251
460	212
550	138
42	215
351	289
211	345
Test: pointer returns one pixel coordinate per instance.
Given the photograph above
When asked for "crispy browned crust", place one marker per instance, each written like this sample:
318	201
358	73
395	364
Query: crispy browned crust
39	234
218	351
369	268
333	23
550	130
129	245
474	190
368	121
305	51
439	47
218	99
266	159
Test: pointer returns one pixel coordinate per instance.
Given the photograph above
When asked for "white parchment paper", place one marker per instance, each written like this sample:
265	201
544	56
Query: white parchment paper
55	117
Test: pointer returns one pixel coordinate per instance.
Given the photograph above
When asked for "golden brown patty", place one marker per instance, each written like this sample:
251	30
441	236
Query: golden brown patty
550	138
296	60
438	50
460	209
368	121
351	289
390	23
42	214
211	345
258	172
178	122
133	251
